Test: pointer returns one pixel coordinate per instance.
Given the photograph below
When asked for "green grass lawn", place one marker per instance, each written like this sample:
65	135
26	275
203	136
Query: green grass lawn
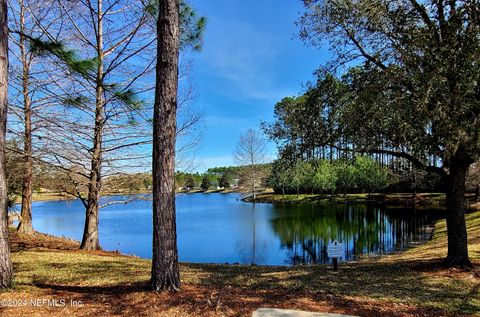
411	283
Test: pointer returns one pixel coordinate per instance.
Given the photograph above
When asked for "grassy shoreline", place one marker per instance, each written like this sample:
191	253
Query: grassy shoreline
431	199
406	199
421	200
410	283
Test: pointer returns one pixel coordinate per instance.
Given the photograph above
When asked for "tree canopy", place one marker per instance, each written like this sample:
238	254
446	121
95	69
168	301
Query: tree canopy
413	71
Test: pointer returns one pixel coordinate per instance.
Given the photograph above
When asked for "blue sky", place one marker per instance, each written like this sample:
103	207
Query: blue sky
251	58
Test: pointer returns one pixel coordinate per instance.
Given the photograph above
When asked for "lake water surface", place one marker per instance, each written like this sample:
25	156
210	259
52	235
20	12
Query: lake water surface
220	228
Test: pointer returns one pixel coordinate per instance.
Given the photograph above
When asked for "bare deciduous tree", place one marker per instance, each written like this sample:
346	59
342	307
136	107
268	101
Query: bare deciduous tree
250	154
112	100
102	123
31	75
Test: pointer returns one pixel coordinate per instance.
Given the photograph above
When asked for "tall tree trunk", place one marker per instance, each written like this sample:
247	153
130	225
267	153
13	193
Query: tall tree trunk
90	239
165	270
6	271
25	224
456	226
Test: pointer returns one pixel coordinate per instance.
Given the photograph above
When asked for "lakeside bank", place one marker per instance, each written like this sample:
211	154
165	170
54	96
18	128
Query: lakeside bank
428	200
409	283
406	199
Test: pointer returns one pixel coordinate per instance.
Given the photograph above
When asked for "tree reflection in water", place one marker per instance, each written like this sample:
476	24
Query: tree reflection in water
305	230
252	249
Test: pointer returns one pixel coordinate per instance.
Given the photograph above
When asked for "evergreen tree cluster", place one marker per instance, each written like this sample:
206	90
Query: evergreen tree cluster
361	175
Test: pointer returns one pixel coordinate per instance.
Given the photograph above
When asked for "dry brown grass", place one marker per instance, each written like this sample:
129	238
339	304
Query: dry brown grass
412	283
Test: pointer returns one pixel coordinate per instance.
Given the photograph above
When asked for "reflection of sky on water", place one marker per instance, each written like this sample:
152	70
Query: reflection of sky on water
219	228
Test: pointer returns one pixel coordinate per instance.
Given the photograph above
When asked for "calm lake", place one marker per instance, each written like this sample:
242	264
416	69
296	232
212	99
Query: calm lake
220	228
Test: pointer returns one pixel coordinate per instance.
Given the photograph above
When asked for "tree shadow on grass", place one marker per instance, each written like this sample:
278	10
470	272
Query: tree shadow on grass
104	300
414	287
119	289
135	299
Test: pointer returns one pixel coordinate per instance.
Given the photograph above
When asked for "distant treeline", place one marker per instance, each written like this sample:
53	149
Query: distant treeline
49	179
216	177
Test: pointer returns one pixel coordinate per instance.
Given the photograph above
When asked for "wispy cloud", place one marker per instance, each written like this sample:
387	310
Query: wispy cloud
246	59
